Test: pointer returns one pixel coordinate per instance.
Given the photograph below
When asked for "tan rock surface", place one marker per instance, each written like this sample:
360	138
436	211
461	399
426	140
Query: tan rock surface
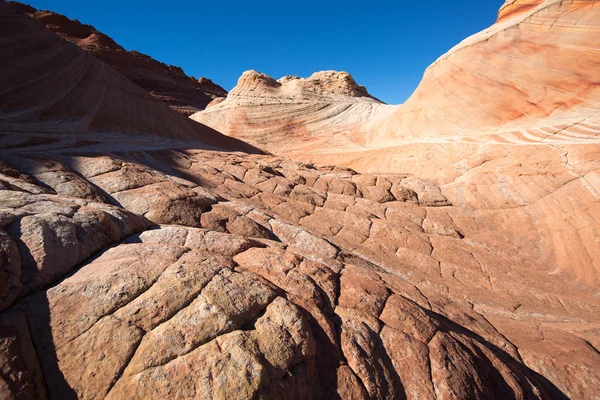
327	109
371	299
163	269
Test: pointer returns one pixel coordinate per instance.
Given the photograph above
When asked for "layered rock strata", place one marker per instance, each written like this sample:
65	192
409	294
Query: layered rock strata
151	260
296	115
54	94
167	83
506	120
531	78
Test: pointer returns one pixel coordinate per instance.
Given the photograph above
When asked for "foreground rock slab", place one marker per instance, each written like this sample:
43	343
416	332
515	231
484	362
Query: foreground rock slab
279	283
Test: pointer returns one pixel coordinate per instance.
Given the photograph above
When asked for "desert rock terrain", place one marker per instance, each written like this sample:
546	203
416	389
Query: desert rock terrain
145	255
167	83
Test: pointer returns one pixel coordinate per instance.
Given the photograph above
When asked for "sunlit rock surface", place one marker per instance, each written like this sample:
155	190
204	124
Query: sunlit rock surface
143	255
326	110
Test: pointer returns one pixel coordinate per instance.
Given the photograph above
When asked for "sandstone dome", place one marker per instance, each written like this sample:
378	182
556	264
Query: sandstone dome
326	109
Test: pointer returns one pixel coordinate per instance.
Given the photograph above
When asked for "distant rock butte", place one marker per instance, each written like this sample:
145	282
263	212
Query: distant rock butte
144	255
167	83
330	85
326	109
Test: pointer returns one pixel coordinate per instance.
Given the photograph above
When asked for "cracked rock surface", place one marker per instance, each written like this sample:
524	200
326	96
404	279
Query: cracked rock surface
146	257
252	276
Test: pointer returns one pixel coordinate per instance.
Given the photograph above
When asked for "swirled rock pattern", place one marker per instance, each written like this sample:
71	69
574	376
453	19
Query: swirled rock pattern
530	78
512	8
143	263
167	83
326	110
54	94
509	119
506	121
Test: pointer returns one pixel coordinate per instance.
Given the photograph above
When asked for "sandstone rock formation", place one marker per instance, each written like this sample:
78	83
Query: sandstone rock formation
529	78
167	83
143	255
507	120
512	8
327	109
54	94
253	276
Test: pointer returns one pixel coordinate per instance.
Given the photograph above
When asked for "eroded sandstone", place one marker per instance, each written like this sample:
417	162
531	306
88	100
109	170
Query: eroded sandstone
135	267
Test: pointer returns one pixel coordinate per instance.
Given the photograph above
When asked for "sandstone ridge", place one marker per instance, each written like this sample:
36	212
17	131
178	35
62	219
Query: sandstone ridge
513	8
529	78
60	96
167	83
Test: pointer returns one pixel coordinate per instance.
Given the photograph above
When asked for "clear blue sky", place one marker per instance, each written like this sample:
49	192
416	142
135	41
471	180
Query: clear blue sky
385	45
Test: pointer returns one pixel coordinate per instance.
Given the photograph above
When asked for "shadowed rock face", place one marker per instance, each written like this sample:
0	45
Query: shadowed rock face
54	94
141	263
167	83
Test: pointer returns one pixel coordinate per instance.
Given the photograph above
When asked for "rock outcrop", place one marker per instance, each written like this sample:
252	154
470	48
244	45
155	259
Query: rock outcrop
157	259
327	109
53	94
531	77
513	8
167	83
507	119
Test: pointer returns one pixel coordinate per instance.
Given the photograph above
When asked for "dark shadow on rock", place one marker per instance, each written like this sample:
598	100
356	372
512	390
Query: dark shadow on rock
520	370
28	263
37	309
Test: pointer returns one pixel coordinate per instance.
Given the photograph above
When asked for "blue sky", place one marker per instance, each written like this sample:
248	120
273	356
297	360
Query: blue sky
385	45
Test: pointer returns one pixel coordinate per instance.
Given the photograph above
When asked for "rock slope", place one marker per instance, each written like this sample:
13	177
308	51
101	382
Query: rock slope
529	78
54	94
142	263
167	83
